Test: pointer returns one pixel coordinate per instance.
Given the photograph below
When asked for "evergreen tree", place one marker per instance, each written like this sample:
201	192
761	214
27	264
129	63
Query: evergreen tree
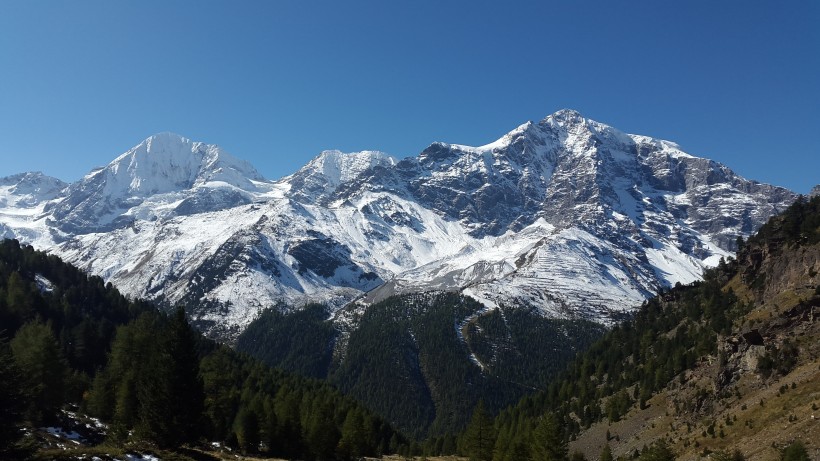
548	441
721	455
606	453
170	391
480	436
353	442
520	451
155	402
448	446
659	451
271	431
186	387
290	429
19	305
796	451
37	354
248	431
12	404
322	434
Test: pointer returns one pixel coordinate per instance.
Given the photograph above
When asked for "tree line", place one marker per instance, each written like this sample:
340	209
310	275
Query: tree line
71	339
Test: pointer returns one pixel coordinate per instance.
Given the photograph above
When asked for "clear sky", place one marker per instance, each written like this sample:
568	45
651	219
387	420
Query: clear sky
277	82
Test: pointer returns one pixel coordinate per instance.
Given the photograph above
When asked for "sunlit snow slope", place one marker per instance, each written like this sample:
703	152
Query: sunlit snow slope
567	214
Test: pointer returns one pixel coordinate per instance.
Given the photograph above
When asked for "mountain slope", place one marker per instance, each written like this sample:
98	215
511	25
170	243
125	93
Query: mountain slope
110	358
515	222
422	361
730	363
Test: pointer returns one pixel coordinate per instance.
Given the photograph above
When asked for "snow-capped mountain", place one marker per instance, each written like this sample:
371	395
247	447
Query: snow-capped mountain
567	214
165	174
22	199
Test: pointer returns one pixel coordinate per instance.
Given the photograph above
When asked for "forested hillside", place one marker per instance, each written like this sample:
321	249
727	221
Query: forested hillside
69	339
423	361
727	366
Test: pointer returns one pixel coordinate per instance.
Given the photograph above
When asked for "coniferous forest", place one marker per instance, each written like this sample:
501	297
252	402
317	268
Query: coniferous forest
69	340
406	360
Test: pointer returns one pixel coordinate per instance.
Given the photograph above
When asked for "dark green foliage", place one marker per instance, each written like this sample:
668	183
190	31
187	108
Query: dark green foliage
248	431
409	358
796	451
480	435
40	360
606	453
323	434
12	404
82	310
618	405
295	417
354	441
666	336
151	383
798	225
521	451
162	396
183	380
781	360
270	338
382	368
161	382
659	451
548	440
726	456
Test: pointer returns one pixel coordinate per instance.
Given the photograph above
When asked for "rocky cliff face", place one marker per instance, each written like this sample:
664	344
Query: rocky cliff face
566	214
755	390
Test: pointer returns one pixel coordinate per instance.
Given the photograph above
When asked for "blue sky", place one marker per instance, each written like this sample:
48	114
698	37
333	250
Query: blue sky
276	82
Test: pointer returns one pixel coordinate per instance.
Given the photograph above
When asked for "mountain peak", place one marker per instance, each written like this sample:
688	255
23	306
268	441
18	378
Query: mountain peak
168	135
167	161
566	114
29	189
332	168
338	167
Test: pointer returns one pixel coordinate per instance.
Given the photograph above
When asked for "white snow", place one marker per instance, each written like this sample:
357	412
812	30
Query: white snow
188	204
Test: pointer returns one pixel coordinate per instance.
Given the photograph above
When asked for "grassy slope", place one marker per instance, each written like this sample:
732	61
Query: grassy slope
758	430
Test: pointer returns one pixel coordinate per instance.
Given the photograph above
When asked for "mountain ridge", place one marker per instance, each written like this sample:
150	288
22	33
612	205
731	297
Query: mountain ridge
499	221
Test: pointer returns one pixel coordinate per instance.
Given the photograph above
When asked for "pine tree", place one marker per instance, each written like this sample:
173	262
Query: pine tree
100	400
353	442
480	436
448	447
155	407
186	385
606	453
290	427
520	451
248	431
796	451
19	306
37	354
170	391
659	451
548	441
322	434
722	455
12	404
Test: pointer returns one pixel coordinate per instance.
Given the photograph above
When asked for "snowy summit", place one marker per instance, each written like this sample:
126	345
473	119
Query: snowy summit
567	215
